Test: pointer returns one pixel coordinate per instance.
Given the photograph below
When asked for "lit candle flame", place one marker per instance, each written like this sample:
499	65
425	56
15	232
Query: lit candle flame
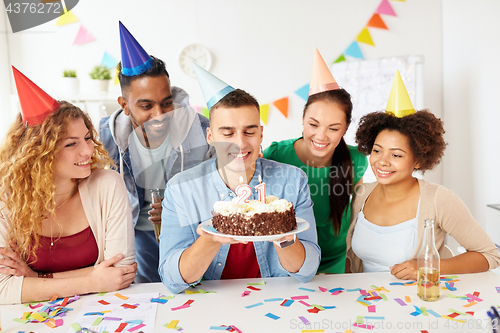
260	179
241	179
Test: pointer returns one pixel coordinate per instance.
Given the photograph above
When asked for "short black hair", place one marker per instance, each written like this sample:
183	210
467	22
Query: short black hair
157	69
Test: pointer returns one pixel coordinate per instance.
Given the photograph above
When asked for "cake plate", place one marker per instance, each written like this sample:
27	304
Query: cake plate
302	225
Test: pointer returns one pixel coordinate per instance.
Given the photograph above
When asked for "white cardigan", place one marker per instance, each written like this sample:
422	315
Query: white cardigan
108	211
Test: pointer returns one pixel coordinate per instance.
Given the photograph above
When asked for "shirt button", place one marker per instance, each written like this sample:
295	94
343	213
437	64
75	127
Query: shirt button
219	264
222	195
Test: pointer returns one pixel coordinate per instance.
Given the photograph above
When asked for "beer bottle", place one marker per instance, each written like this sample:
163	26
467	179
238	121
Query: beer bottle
428	265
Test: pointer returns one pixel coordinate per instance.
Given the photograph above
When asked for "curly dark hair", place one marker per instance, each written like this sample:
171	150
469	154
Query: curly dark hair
423	130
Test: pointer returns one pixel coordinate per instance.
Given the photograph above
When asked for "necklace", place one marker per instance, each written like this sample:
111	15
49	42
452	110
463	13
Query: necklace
67	199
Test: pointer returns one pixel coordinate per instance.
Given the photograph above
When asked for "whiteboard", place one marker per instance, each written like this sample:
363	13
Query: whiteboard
369	82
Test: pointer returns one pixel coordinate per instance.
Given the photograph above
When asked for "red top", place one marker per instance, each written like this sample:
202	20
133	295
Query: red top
241	262
68	253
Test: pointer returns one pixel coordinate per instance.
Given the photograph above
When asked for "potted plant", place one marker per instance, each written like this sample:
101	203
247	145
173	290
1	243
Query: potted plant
70	83
101	76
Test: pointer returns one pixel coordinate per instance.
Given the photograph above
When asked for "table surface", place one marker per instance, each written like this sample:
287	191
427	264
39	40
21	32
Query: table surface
228	307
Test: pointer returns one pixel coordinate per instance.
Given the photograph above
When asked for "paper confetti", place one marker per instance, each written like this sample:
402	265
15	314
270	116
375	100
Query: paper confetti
273	299
304	320
299	297
311	290
245	293
172	324
121	296
261	283
272	316
253	288
433	313
400	301
287	302
371	308
254	305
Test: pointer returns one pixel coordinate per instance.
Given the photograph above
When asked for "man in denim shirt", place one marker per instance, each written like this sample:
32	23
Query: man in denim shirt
187	253
153	136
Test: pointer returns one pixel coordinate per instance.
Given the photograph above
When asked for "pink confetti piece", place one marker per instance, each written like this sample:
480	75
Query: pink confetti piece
295	298
371	308
306	304
336	292
474	298
323	289
245	293
35	306
369	327
363	292
136	327
181	307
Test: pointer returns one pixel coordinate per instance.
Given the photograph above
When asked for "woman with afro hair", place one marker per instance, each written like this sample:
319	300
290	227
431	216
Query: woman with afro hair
388	216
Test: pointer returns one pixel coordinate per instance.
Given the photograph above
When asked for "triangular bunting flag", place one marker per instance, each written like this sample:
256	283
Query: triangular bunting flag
364	37
339	59
117	79
377	22
83	36
108	61
354	51
264	113
204	111
66	18
303	92
282	105
385	8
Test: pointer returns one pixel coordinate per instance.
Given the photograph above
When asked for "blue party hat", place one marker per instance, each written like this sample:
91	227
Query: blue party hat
135	60
213	88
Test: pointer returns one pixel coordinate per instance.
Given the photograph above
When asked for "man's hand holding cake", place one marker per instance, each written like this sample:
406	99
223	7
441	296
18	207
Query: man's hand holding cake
188	253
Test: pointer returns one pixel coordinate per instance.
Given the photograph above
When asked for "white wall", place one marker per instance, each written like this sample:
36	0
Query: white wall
471	31
265	47
5	84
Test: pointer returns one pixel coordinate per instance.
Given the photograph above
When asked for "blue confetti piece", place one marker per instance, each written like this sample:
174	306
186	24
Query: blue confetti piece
159	300
288	302
396	284
335	289
254	305
433	313
220	328
374	318
270	315
410	282
351	290
329	307
273	299
311	290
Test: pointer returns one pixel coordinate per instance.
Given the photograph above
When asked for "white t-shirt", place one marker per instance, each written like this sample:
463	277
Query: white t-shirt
149	174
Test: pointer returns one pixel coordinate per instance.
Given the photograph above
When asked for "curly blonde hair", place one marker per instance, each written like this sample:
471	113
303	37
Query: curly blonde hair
27	161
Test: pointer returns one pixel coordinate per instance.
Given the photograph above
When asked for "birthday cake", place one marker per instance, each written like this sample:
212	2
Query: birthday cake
254	218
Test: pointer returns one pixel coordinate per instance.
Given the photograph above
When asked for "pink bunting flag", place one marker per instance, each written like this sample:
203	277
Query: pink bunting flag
83	36
385	8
